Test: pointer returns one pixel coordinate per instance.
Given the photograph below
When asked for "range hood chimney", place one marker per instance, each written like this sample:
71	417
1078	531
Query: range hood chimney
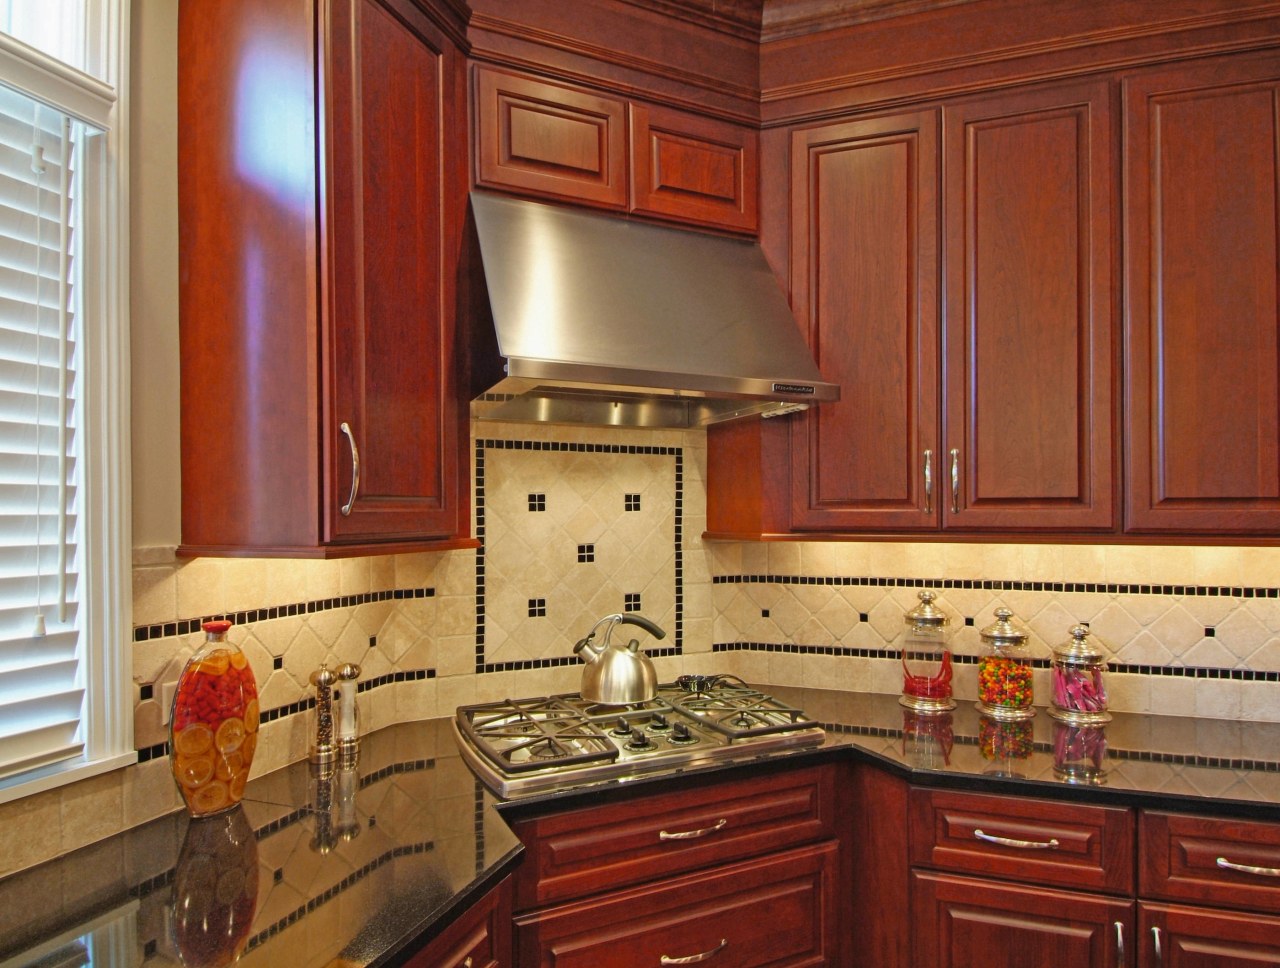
608	321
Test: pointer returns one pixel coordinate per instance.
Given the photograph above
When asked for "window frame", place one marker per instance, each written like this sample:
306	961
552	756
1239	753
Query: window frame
105	572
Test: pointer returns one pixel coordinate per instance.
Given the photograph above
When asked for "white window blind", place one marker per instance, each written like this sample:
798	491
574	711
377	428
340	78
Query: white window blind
41	685
65	696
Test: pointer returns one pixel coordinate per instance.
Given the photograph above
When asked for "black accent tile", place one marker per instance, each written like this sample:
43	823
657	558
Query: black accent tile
537	502
586	553
968	621
631	502
373	641
1210	632
537	608
764	613
145	691
631	602
277	662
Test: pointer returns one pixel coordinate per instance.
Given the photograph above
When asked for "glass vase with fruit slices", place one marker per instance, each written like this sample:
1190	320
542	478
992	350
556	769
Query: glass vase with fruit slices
213	729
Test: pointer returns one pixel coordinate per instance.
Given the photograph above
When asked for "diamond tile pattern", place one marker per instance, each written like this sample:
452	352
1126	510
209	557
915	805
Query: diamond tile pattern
538	555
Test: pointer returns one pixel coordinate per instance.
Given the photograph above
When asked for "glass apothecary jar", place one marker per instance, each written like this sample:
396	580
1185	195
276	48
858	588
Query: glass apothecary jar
1079	684
213	726
926	660
1005	689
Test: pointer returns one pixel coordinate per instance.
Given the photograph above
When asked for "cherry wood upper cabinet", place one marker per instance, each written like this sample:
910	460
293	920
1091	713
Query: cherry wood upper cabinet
1201	313
694	169
992	407
322	189
550	139
1029	358
865	288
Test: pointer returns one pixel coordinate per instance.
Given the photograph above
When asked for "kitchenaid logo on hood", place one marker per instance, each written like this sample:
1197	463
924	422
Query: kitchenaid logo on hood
793	388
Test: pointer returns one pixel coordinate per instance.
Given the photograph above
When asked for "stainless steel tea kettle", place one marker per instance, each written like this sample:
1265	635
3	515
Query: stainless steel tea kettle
618	675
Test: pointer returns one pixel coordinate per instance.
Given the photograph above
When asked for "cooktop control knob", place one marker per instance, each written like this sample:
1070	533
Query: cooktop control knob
680	734
658	723
621	727
639	741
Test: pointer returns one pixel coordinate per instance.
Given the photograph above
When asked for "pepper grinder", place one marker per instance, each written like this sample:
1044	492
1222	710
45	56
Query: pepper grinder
348	714
323	748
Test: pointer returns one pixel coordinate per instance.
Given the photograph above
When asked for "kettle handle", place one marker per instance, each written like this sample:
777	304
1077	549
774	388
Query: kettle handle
649	626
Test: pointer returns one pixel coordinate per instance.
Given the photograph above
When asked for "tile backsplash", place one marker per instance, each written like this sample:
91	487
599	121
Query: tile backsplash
579	522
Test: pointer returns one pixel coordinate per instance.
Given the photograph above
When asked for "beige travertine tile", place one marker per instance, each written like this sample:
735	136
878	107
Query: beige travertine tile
91	809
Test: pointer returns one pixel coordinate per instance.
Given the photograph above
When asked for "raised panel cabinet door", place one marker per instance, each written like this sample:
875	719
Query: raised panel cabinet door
695	169
864	286
1171	936
1029	361
962	922
1202	156
392	177
549	139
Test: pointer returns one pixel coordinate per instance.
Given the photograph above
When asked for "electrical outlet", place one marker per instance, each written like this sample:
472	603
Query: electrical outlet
167	689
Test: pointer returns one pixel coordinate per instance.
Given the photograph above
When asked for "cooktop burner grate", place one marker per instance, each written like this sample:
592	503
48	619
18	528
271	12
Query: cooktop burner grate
530	734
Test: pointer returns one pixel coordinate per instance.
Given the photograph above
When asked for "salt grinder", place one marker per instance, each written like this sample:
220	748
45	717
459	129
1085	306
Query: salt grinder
323	748
348	714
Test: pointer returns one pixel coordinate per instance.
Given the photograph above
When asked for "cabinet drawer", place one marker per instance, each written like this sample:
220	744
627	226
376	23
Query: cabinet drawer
601	848
1065	844
777	911
1185	858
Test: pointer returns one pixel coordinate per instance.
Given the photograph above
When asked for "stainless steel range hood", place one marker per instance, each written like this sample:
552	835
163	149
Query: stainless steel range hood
607	321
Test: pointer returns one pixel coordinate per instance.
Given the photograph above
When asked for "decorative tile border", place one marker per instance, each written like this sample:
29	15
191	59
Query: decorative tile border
1121	668
632	503
997	585
186	626
303	705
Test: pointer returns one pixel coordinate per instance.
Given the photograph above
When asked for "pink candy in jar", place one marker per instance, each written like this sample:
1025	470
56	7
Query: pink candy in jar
1079	687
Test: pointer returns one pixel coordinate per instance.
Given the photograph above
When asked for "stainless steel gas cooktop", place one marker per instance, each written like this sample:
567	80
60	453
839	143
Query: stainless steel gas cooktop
523	746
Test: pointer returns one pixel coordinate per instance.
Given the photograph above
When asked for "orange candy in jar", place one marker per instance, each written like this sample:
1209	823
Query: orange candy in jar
214	727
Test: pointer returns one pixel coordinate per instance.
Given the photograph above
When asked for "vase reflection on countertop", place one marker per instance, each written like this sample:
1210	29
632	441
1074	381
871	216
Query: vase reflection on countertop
215	889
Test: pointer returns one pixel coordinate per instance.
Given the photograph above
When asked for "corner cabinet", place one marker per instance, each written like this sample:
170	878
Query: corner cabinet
322	188
988	407
1202	310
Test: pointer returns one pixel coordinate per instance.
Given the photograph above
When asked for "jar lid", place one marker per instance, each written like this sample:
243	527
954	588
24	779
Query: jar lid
216	626
926	615
1078	648
1003	634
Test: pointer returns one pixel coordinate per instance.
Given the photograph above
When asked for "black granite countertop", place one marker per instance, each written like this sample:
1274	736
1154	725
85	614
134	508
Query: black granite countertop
361	868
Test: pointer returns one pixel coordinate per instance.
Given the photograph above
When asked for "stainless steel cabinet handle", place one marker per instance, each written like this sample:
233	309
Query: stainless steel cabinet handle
1155	939
955	481
694	959
355	469
1248	869
928	482
1120	959
1051	844
692	835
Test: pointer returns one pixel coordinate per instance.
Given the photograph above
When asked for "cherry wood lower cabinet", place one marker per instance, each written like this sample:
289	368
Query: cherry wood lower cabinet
960	922
1171	936
741	872
778	910
481	938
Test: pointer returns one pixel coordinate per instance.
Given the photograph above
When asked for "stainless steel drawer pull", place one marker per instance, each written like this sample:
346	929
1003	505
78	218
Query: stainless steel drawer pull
955	481
1020	844
1248	869
692	835
468	963
1121	961
355	469
694	959
928	482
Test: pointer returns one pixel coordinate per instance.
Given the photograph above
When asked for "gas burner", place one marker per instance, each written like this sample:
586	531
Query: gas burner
521	746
